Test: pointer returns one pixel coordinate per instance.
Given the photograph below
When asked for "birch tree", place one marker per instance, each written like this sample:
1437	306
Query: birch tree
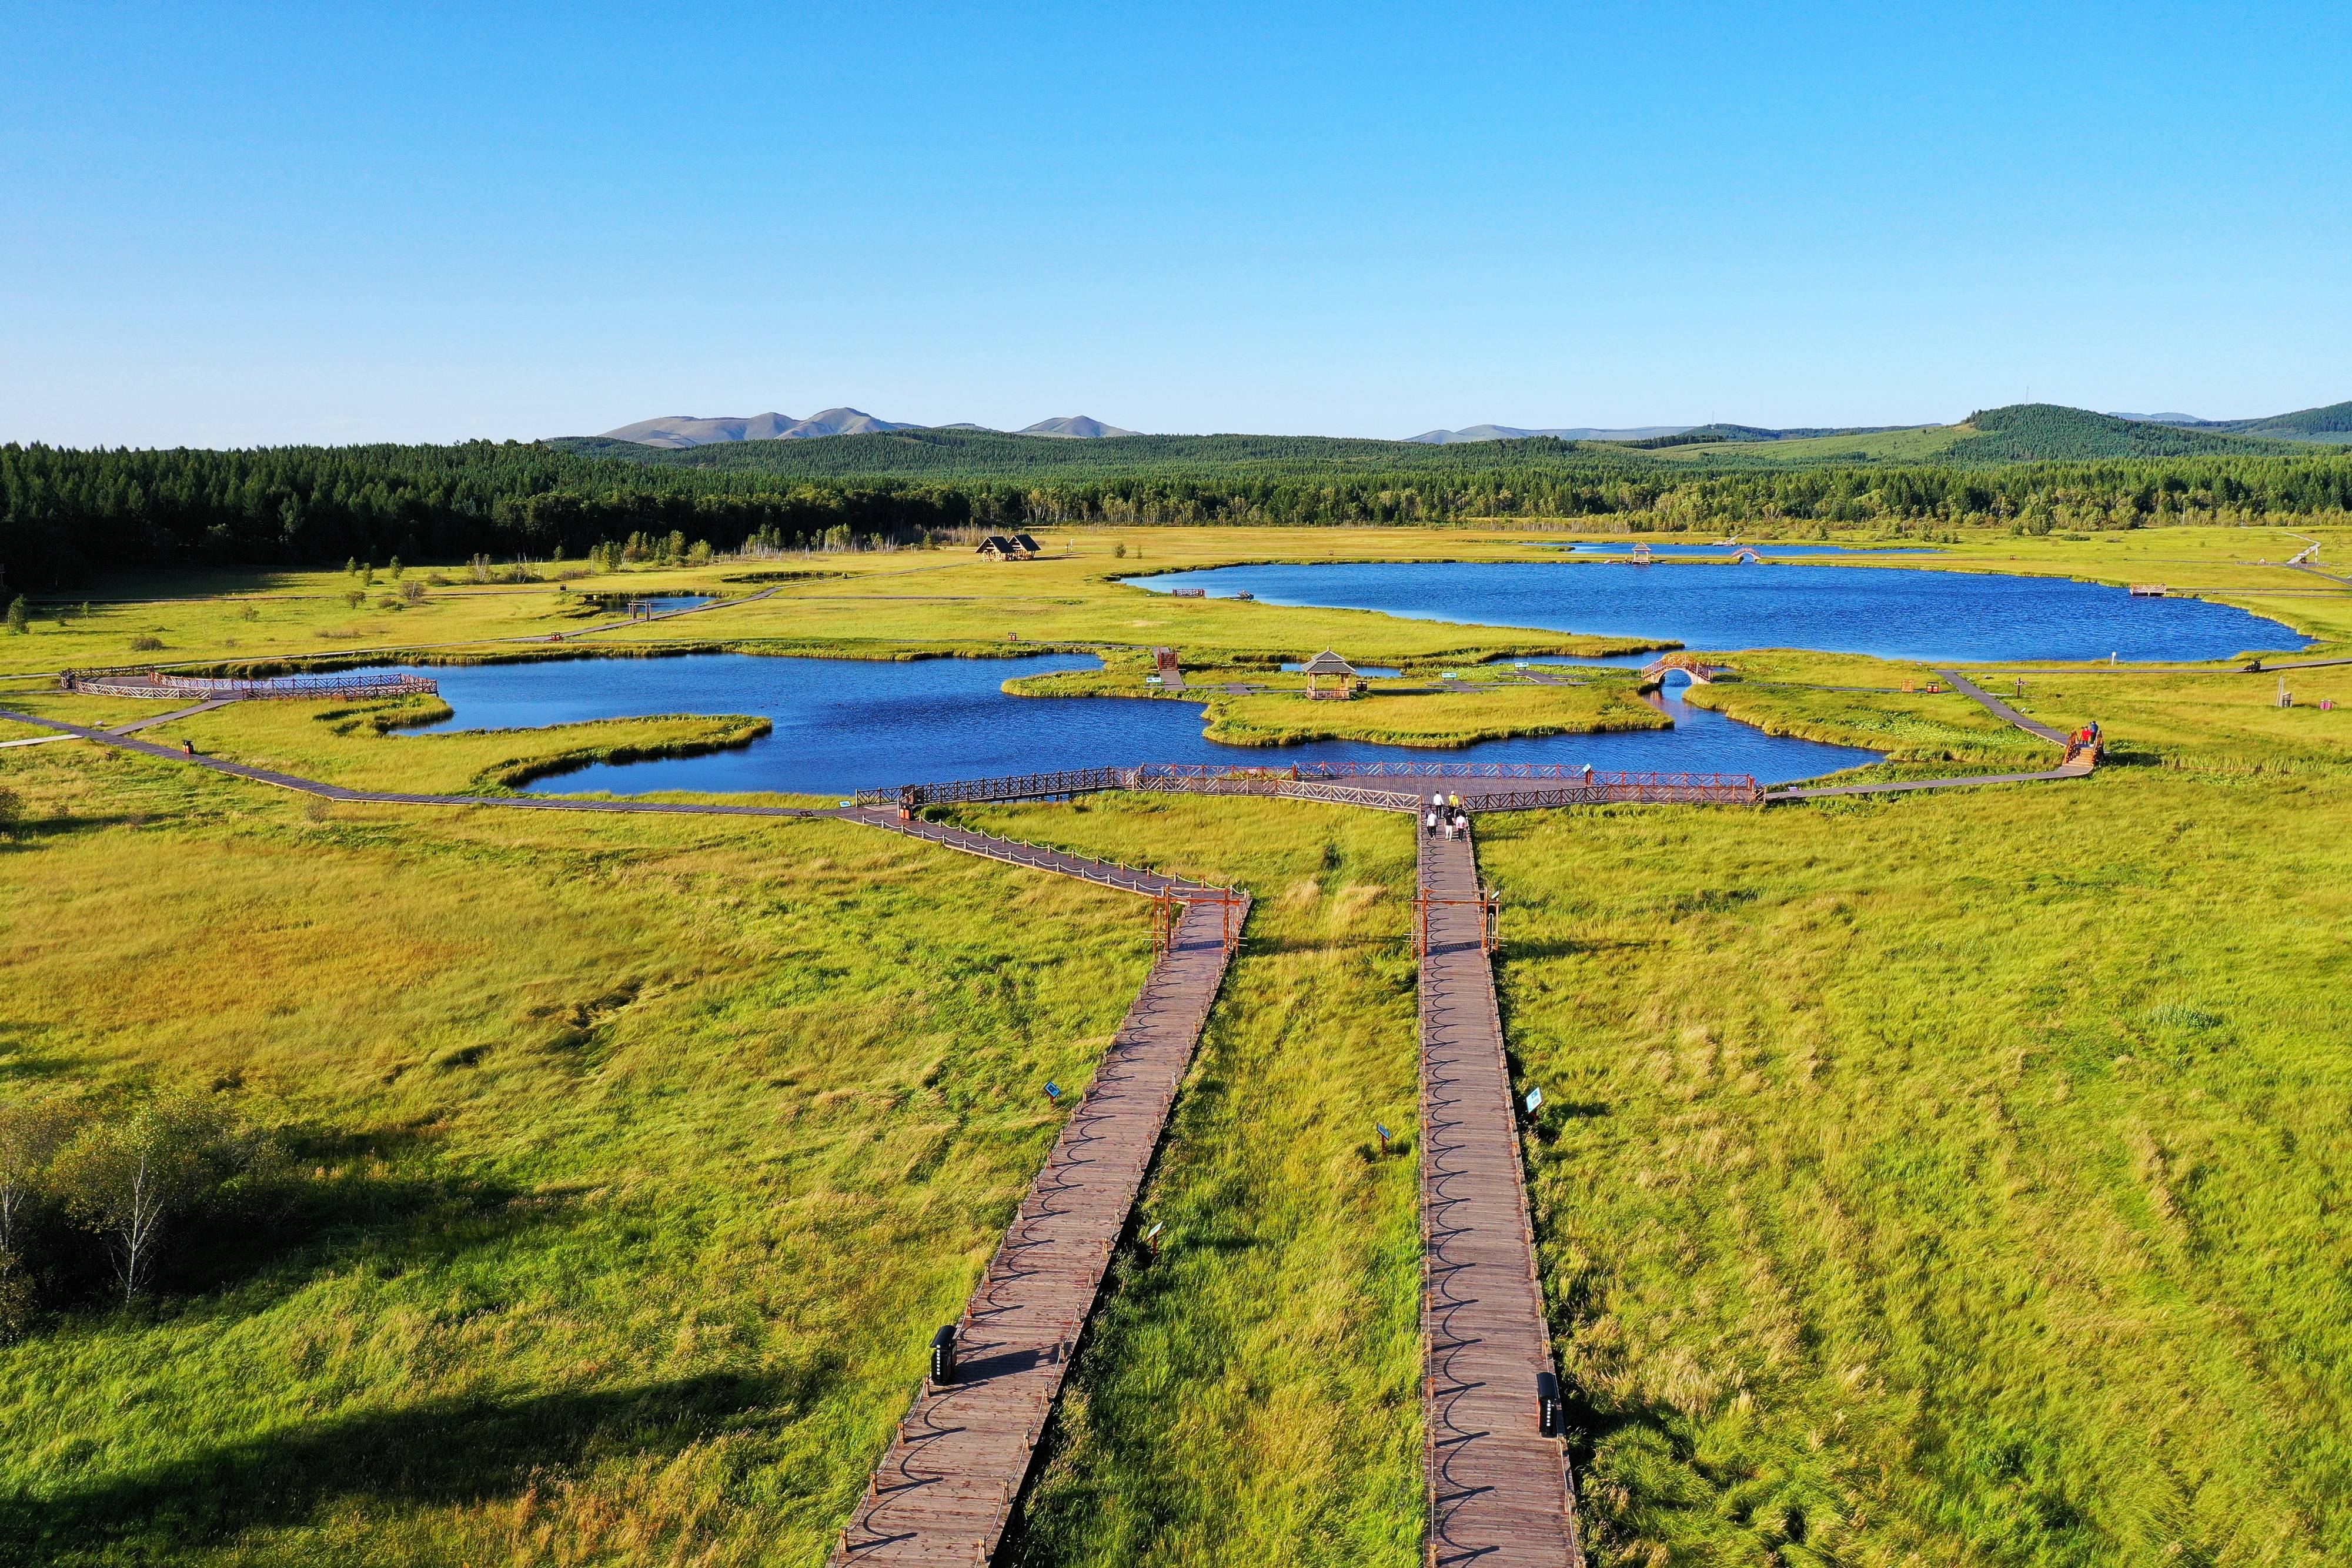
131	1178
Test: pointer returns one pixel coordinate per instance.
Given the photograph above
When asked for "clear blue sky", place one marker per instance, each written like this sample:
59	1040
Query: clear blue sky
226	225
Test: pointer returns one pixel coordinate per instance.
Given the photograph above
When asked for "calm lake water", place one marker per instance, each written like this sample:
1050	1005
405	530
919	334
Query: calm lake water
1605	546
1892	611
852	724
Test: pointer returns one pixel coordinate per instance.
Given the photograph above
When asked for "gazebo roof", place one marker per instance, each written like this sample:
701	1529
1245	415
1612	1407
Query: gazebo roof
1328	662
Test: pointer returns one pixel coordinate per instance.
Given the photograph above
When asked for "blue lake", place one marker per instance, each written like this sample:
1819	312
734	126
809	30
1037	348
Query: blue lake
1607	546
1890	611
852	724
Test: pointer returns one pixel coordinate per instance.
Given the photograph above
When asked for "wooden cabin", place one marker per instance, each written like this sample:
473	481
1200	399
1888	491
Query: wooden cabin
1328	666
1008	546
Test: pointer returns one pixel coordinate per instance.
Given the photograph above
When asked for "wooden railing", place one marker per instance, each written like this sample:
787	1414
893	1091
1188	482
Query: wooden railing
204	688
1326	782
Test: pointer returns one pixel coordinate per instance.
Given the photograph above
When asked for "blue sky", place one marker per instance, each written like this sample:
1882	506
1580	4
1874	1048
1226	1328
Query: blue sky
241	225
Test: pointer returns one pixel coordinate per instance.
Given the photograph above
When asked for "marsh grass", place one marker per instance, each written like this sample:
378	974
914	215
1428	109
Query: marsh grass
1396	712
1942	1179
639	1159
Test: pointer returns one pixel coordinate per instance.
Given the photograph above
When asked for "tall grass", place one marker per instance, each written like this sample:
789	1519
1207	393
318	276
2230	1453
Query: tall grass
1946	1180
638	1159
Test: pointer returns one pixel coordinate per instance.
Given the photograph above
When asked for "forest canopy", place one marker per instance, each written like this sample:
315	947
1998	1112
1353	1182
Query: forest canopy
68	514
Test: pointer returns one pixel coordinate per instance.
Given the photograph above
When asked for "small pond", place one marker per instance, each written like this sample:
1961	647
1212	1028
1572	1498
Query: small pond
658	604
853	724
1894	612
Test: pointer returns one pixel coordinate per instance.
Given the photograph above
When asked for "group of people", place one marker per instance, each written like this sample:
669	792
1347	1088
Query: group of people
1446	816
2087	738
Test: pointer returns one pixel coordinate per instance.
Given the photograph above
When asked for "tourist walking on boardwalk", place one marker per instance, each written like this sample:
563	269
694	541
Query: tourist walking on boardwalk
1429	824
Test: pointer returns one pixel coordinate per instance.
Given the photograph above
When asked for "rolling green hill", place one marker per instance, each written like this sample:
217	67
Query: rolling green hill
2332	424
2043	433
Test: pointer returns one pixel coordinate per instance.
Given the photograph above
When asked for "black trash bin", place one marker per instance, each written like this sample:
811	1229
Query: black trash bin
943	1356
1547	1403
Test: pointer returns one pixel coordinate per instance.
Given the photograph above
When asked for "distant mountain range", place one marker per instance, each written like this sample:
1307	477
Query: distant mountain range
2017	434
686	429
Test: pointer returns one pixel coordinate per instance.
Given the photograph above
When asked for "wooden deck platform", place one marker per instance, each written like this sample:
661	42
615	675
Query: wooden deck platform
947	1487
1499	1490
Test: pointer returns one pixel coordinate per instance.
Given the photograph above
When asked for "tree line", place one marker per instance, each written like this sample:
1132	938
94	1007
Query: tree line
66	515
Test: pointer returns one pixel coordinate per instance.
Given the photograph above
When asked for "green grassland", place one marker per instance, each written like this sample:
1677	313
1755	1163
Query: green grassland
631	1163
1943	1180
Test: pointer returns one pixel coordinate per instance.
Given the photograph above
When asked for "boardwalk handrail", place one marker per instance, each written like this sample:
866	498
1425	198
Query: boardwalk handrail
157	685
1587	786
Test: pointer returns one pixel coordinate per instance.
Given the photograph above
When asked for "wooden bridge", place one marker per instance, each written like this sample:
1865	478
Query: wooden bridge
1696	668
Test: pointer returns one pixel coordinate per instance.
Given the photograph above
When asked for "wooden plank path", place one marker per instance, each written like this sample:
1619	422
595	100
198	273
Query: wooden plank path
2080	767
1498	1492
947	1487
2000	709
1012	851
136	724
388	798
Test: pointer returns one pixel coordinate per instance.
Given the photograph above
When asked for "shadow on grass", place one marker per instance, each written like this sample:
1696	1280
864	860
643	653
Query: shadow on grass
28	832
271	1237
448	1452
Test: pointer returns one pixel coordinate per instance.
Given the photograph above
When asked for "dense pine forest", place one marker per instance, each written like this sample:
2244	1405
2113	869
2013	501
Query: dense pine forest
67	516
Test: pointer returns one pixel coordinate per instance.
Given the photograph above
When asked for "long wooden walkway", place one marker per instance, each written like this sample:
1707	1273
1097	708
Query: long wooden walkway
2080	767
1499	1490
946	1488
137	724
2000	709
1012	851
325	791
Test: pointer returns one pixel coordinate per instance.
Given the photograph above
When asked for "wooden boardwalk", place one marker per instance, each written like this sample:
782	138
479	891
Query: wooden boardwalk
1499	1490
1012	851
2000	709
2081	766
947	1487
137	724
327	791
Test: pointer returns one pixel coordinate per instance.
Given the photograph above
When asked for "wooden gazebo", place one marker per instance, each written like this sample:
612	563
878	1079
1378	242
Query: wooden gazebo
1326	665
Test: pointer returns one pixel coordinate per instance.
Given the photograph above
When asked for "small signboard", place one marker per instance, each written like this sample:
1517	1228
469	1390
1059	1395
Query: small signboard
1449	674
1535	1101
1054	1092
1153	681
